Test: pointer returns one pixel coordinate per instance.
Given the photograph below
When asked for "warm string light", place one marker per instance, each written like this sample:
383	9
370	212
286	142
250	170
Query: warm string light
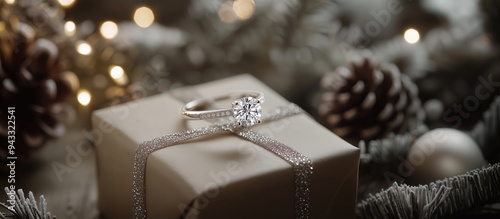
226	13
69	28
116	72
144	17
118	75
229	11
411	36
72	80
109	29
83	48
243	9
66	3
84	97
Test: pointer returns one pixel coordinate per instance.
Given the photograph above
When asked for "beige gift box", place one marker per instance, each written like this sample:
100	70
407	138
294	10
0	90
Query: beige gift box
222	175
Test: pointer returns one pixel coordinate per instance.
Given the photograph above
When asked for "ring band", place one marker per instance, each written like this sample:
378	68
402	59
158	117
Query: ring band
245	109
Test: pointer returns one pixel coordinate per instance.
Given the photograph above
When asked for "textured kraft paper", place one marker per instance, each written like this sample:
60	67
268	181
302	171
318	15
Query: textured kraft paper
222	175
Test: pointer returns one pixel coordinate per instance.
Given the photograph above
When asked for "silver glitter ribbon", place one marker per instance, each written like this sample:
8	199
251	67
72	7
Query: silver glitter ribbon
302	165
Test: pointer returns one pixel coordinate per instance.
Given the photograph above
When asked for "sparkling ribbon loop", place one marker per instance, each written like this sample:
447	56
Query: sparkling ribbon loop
302	165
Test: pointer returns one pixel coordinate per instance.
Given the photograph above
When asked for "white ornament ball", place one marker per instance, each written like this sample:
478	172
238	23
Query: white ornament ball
442	153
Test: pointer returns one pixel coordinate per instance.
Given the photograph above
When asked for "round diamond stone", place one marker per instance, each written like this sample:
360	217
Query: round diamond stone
247	111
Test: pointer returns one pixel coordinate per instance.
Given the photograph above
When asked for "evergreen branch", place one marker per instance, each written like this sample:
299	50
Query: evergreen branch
438	199
26	208
387	149
289	34
307	17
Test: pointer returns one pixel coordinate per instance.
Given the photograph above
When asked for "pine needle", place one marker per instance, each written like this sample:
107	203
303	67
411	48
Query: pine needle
27	208
387	149
438	199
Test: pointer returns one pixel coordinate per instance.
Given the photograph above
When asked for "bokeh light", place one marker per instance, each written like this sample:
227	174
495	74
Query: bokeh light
83	48
10	2
69	28
84	97
243	9
226	13
116	72
118	75
411	36
109	29
72	80
144	17
66	3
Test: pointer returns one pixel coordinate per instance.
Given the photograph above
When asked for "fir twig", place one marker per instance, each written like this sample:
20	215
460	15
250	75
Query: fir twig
387	149
438	199
305	17
26	208
284	30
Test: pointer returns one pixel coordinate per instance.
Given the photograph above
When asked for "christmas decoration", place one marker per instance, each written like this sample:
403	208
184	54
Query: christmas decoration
26	208
442	153
32	82
368	101
448	49
442	198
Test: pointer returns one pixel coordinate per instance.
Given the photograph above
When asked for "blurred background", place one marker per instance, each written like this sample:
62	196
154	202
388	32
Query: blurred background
382	74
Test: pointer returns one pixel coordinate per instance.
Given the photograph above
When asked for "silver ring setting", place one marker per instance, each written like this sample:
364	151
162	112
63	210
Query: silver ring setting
245	109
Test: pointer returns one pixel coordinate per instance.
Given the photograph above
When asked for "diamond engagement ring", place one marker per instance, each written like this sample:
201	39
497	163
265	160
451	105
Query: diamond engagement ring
246	109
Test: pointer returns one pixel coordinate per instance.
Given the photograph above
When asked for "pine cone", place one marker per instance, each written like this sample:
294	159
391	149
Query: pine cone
367	101
31	81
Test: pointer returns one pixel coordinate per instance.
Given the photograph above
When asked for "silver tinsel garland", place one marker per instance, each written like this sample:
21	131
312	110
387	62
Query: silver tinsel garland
438	199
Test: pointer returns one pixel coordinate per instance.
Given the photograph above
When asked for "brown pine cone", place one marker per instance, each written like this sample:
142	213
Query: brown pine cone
31	81
367	101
